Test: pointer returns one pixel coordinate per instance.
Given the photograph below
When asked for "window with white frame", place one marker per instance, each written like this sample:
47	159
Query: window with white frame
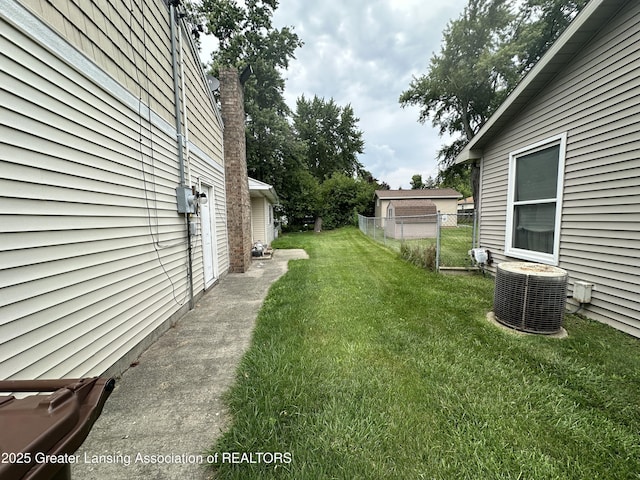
534	203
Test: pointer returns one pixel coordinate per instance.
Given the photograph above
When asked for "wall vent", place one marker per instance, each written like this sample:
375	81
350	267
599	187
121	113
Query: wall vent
530	297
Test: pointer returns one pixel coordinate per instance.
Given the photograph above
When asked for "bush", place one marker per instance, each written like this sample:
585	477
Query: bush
342	198
420	255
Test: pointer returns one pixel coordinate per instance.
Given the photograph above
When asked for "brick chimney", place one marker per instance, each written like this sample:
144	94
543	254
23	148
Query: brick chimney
235	166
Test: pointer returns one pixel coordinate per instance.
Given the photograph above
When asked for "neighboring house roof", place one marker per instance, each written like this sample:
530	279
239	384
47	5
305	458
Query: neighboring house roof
466	201
261	189
583	28
419	193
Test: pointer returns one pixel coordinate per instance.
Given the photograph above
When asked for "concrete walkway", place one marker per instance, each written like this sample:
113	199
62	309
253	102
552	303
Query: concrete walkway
167	411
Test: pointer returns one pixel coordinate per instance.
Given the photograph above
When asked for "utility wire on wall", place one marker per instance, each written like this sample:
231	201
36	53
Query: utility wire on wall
155	238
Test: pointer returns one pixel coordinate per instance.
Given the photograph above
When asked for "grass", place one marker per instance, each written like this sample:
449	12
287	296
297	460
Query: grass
363	366
455	243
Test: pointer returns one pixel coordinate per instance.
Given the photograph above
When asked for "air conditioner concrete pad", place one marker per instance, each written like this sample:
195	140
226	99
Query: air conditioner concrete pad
492	319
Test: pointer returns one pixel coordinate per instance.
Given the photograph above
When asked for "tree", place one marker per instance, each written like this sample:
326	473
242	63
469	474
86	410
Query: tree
303	198
416	182
247	37
484	54
430	182
331	137
539	24
467	80
343	197
457	177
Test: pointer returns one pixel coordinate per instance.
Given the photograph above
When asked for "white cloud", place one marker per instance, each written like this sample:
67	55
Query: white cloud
364	53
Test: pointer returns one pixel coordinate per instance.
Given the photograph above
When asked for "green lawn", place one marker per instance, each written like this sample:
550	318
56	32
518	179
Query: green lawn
455	243
365	367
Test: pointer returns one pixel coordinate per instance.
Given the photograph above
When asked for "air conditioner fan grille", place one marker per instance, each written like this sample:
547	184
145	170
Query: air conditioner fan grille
530	302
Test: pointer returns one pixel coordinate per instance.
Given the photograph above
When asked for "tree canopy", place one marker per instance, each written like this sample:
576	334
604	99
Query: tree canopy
331	137
343	197
468	79
539	24
485	52
247	37
298	153
416	182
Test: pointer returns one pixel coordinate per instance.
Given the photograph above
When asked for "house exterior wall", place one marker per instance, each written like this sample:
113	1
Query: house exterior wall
93	253
262	225
259	220
129	42
596	102
204	173
272	232
381	207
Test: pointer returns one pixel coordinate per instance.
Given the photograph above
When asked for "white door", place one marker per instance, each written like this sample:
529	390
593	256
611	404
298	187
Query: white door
208	235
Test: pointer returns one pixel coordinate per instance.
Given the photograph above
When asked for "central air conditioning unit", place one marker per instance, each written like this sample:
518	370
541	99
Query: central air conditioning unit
530	297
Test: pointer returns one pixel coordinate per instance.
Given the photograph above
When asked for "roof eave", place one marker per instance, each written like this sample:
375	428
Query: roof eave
269	194
258	188
422	198
468	155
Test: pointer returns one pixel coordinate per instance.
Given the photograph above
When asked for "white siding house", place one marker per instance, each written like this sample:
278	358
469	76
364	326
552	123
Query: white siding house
263	200
95	260
560	162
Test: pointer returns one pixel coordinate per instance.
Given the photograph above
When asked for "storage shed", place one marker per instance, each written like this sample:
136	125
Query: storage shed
408	219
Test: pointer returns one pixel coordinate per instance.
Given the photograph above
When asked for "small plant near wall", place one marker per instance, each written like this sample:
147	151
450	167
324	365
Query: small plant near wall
423	256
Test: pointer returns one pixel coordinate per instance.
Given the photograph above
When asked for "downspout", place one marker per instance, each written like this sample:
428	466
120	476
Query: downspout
185	116
176	88
179	135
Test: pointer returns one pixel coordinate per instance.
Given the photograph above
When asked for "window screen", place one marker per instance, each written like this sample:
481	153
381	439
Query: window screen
537	175
534	204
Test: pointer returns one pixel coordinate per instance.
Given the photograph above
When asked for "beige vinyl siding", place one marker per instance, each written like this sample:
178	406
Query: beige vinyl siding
205	158
74	192
202	172
384	211
222	239
205	153
596	100
448	206
93	255
205	123
128	40
259	220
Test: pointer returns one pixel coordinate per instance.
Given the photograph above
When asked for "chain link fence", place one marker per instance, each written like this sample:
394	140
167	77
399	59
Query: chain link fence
448	236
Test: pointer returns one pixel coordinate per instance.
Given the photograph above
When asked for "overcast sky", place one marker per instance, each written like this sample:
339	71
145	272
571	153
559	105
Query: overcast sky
364	53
